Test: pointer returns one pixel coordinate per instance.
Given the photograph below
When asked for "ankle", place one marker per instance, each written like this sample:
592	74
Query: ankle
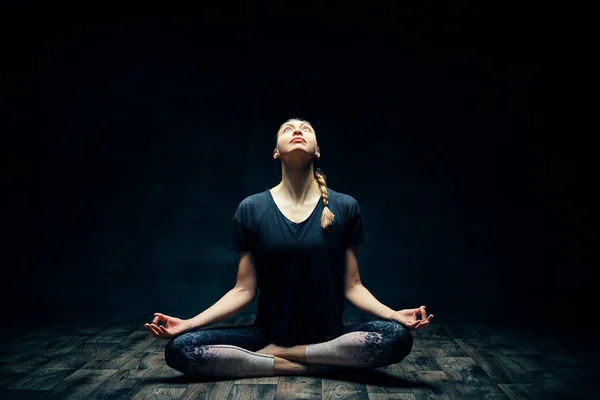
281	366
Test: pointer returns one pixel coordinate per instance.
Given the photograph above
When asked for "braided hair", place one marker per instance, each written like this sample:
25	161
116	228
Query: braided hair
327	216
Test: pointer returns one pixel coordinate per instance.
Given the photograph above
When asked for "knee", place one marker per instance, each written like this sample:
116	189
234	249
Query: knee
175	354
402	343
397	339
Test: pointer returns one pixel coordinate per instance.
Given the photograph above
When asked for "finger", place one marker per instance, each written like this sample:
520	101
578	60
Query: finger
151	328
418	313
148	326
161	317
155	320
421	325
423	312
155	330
164	331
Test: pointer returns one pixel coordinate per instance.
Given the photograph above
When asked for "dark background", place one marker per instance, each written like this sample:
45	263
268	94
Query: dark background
129	139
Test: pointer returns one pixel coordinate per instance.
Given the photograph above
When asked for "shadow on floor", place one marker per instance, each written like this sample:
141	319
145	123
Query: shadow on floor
367	377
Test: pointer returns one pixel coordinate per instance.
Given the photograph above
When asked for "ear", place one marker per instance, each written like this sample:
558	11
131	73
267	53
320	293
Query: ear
275	153
318	152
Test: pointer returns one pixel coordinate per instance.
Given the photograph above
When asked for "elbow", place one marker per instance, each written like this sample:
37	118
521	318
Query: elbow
248	293
351	288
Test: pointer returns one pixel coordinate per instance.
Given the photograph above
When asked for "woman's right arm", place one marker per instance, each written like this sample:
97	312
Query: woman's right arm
234	300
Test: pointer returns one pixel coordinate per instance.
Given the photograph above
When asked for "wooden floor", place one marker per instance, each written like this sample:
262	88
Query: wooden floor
122	361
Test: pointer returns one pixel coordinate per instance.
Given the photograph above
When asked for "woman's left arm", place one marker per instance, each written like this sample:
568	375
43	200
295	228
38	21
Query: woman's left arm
357	294
361	298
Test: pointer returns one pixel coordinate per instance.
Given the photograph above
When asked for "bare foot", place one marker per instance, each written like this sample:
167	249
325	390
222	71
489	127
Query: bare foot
272	350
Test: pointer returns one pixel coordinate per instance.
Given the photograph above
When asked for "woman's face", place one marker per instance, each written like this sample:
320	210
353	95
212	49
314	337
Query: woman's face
296	139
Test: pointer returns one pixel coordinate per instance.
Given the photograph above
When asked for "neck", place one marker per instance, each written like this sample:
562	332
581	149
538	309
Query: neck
298	183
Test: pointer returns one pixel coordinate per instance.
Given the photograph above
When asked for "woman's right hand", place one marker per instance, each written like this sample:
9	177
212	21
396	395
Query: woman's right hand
172	326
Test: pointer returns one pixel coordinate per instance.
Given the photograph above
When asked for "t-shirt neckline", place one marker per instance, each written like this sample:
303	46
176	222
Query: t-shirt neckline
286	218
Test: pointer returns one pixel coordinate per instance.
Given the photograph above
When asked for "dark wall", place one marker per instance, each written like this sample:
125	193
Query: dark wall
130	142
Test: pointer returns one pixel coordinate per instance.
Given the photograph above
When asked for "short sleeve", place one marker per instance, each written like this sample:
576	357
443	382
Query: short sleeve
239	239
355	232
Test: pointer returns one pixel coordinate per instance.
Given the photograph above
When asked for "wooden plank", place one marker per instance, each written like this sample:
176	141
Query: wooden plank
434	331
80	356
299	387
146	365
252	392
445	348
420	360
391	396
112	335
427	377
154	344
118	386
156	378
341	389
469	378
62	345
266	380
80	384
521	391
122	353
22	350
208	390
114	358
392	380
42	379
531	364
159	392
13	371
497	365
435	384
140	339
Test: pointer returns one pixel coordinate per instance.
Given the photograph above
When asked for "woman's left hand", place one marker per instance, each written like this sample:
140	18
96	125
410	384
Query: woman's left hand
413	318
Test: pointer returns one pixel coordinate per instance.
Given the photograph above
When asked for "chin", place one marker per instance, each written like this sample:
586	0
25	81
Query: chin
297	156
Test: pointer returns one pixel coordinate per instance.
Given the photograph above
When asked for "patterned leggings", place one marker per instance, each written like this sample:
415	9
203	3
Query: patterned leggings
230	351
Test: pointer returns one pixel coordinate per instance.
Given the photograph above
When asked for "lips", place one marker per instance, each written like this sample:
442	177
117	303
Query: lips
297	140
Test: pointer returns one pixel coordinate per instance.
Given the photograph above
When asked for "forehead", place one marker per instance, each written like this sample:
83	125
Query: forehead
295	123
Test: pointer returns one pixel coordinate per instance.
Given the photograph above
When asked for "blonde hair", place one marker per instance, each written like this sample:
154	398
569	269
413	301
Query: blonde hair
327	216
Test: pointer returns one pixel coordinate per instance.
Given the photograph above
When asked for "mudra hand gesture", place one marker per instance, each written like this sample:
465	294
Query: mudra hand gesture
172	326
413	318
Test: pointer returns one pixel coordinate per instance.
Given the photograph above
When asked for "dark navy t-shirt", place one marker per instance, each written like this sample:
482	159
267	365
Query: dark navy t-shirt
300	266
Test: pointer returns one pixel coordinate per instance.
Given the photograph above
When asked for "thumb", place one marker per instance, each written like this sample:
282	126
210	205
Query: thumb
162	317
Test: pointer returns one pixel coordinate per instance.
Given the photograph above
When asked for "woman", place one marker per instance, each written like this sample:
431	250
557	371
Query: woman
298	245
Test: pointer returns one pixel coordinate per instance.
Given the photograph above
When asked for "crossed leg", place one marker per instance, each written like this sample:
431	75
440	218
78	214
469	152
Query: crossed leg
368	345
227	352
234	351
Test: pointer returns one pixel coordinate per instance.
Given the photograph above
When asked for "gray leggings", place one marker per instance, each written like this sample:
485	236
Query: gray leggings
230	351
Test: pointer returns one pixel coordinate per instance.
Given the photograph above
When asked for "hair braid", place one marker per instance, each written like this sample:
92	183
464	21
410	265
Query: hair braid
327	216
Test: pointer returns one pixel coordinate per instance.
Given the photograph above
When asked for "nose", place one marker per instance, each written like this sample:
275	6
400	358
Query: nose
297	132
